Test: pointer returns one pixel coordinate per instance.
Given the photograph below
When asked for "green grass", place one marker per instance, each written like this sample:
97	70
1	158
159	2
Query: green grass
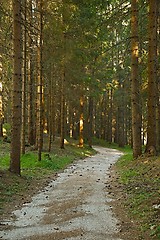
56	160
141	182
50	162
103	143
32	170
140	179
156	232
4	161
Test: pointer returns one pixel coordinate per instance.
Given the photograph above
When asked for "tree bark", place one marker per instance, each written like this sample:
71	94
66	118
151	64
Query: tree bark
31	83
135	85
24	82
158	78
120	117
152	75
40	84
110	114
62	109
90	121
81	123
17	90
1	101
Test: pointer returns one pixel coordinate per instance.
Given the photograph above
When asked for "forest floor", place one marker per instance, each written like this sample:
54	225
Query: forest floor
81	212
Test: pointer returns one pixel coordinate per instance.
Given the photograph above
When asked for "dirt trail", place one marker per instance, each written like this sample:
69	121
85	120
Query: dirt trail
75	206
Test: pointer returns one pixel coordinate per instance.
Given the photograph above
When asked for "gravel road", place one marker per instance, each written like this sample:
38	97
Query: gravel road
75	206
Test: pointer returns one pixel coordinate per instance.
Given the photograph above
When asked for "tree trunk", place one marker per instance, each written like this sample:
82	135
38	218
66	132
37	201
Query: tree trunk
103	115
1	101
152	75
135	85
62	109
17	90
31	83
110	115
75	124
81	123
53	105
158	78
120	117
50	109
24	82
90	121
40	85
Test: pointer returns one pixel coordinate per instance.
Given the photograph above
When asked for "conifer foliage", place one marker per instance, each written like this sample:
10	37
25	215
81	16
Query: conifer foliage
79	69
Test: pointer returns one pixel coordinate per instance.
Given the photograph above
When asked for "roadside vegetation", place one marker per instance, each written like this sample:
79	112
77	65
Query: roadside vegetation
34	173
141	182
140	179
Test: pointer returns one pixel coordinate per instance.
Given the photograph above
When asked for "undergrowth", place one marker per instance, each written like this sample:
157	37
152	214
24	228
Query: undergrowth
32	170
141	182
140	179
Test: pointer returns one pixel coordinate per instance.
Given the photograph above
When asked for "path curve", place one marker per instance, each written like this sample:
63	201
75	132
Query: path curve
75	206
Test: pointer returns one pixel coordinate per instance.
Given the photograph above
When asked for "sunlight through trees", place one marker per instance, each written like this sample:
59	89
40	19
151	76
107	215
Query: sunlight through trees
52	54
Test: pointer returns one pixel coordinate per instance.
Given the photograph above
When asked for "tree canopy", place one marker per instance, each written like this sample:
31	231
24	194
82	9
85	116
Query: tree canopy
81	76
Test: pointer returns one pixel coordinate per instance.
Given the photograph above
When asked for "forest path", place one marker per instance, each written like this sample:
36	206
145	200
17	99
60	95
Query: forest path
75	206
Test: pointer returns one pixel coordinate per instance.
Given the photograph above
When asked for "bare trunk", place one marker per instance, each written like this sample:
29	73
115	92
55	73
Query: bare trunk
1	101
158	77
40	86
110	113
53	104
152	75
31	83
23	134
62	109
17	90
90	121
49	114
135	85
81	140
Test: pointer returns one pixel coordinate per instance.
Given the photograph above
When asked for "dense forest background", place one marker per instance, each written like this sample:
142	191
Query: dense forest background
79	69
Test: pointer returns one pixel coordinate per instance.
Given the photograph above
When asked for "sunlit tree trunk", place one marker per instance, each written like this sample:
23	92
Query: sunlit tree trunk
71	121
17	90
152	75
135	85
81	123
